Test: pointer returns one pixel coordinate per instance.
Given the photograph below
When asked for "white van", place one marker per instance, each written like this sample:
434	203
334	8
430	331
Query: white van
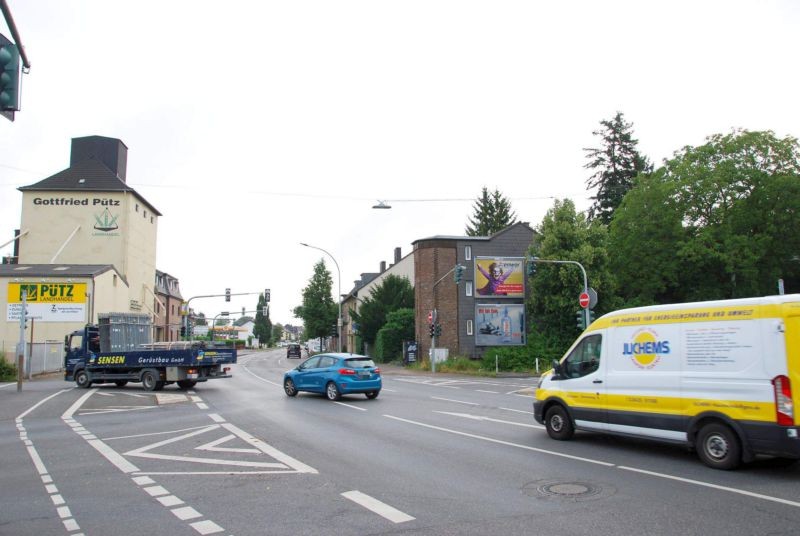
716	376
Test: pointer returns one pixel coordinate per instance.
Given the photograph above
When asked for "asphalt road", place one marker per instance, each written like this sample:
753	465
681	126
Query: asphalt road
433	454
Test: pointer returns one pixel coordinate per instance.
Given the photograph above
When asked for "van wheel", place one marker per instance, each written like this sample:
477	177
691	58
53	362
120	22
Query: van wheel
558	424
82	379
718	447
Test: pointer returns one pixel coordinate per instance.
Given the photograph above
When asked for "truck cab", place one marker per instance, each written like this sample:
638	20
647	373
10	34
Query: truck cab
78	346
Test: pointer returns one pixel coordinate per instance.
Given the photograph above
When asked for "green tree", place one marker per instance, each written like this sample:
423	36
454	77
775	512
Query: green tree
615	164
399	327
263	326
566	235
318	311
277	333
729	212
389	295
491	213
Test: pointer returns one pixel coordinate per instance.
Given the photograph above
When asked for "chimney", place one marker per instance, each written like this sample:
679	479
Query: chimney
383	266
110	151
396	255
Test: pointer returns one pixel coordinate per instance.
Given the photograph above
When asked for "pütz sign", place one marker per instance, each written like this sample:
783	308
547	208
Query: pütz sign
47	292
71	201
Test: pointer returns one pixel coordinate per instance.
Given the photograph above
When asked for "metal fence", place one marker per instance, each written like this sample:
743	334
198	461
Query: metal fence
44	357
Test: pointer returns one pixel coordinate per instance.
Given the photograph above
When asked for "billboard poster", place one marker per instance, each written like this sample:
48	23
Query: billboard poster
48	302
500	324
500	277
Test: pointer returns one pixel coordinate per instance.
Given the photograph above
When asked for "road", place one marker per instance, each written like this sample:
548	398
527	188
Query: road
433	454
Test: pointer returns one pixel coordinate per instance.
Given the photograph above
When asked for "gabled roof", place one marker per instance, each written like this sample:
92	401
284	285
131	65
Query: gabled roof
85	176
476	238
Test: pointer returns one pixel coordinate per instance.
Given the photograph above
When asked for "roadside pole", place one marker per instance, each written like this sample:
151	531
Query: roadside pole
21	345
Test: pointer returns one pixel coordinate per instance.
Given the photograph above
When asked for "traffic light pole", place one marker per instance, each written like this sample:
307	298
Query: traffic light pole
185	306
537	260
435	315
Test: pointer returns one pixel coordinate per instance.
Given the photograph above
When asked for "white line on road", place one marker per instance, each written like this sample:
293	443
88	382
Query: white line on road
382	509
481	418
351	406
456	401
518	411
262	379
490	392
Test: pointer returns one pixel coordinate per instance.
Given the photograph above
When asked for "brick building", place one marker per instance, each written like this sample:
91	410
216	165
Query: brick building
456	305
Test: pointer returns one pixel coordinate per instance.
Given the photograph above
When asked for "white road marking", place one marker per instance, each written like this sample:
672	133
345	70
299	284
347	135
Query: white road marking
7	385
517	411
481	418
213	446
111	455
484	391
262	379
206	527
382	509
351	406
456	401
201	405
187	512
112	410
37	461
156	433
156	491
143	480
170	500
714	486
216	417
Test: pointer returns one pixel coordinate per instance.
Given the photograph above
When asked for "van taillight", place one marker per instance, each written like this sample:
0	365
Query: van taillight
784	407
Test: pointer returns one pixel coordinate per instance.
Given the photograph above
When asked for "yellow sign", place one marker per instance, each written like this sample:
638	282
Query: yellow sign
47	292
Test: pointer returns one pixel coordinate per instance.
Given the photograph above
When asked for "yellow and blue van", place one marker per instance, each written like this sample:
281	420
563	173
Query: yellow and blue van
716	376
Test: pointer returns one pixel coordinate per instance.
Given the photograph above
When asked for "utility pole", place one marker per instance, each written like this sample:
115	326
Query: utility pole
21	346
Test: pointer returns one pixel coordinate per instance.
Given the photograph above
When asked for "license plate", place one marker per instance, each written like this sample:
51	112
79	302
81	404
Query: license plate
364	374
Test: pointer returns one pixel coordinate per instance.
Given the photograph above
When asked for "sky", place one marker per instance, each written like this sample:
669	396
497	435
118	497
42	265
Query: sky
255	126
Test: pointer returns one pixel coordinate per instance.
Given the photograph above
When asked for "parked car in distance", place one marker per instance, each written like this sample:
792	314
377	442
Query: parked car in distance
334	375
293	350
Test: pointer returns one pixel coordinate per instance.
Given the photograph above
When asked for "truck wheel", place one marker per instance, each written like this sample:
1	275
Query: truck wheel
558	424
185	385
121	383
150	381
82	379
718	447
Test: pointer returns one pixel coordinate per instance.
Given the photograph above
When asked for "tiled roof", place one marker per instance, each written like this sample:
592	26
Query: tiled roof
86	176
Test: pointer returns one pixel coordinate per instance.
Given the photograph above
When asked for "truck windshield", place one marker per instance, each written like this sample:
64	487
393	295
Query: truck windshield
75	342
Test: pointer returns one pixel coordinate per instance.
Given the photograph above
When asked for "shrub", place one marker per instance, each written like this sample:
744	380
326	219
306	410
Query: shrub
8	371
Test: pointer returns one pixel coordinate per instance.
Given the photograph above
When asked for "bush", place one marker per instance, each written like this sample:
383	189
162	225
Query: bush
8	372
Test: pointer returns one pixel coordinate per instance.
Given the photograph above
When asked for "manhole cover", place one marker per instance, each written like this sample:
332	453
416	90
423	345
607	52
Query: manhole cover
575	491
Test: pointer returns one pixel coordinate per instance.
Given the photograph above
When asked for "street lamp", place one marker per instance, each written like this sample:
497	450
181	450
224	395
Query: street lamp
339	272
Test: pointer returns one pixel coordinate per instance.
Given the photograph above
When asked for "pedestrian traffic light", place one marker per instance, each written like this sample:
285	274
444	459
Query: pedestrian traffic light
580	320
227	294
532	265
432	330
9	76
266	294
458	273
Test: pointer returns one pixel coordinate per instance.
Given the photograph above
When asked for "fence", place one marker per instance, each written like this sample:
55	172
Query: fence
44	357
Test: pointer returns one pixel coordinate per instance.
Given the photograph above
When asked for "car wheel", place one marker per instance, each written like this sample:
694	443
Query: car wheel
289	387
372	394
718	447
558	424
82	379
332	392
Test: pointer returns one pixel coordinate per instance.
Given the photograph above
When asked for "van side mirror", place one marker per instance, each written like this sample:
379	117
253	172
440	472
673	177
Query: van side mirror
557	370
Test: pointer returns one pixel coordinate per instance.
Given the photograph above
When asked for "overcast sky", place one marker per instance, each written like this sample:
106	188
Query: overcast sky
254	126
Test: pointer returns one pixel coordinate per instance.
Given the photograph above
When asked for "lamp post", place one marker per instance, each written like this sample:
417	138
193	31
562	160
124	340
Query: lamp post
339	274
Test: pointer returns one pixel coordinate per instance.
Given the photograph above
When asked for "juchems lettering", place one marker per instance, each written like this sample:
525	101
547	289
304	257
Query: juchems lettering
635	348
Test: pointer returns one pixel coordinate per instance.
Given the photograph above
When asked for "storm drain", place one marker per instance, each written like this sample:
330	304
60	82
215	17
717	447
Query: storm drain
571	491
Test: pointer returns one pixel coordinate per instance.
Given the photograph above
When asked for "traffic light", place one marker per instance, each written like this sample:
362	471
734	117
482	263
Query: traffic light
227	294
591	316
183	331
580	320
9	76
266	294
432	330
437	330
265	310
334	331
532	266
458	273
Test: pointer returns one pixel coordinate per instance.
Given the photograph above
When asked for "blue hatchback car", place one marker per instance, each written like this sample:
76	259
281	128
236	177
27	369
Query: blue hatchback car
334	375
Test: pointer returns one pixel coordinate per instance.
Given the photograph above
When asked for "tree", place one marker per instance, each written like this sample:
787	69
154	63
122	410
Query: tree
277	333
566	235
389	295
728	215
318	311
492	213
263	326
399	327
615	164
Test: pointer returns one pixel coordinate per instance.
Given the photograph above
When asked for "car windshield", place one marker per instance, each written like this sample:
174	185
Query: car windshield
362	362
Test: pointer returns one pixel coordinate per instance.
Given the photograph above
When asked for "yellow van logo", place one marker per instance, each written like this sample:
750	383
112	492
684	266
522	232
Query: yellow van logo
645	350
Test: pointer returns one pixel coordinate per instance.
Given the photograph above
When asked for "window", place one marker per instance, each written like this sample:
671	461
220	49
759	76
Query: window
327	361
467	253
468	288
144	214
584	359
137	207
469	327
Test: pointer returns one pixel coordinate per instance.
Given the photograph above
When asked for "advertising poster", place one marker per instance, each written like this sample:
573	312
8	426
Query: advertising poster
48	302
500	324
500	277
